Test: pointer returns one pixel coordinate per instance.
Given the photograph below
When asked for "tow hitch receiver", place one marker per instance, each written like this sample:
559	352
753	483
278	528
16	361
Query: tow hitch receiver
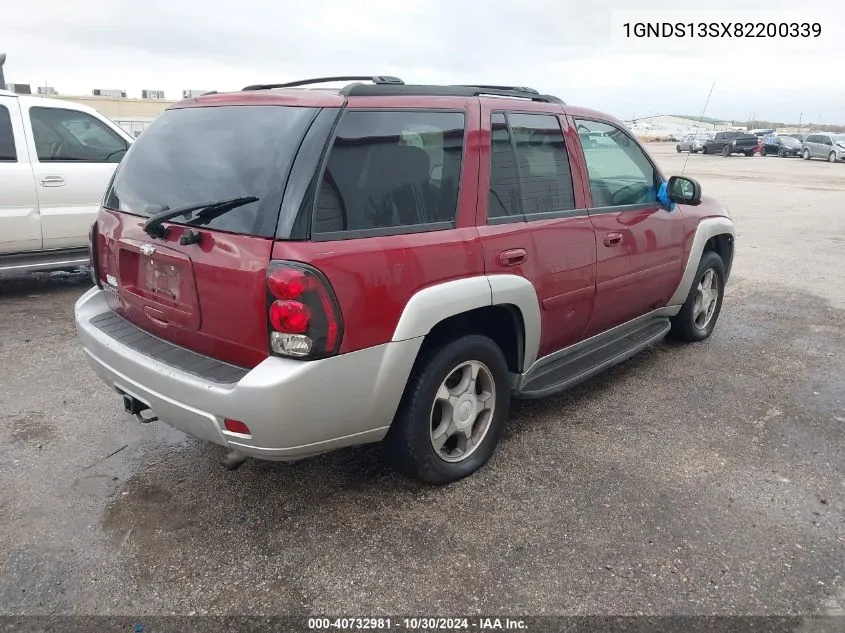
135	407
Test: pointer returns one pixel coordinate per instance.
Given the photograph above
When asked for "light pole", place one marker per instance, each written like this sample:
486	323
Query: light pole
2	78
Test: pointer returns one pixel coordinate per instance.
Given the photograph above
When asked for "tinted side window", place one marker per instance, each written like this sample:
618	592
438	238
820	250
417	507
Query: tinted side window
543	163
389	169
69	135
620	173
812	138
7	138
504	198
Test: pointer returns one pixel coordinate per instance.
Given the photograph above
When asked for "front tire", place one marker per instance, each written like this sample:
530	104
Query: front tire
452	413
698	315
806	154
726	150
832	157
678	148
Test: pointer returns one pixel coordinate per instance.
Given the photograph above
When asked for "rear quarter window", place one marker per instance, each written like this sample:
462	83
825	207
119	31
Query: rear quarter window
389	172
196	155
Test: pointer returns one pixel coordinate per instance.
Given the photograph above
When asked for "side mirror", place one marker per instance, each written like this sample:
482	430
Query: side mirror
684	190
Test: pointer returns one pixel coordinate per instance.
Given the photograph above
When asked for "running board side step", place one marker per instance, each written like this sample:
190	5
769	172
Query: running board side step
588	358
36	261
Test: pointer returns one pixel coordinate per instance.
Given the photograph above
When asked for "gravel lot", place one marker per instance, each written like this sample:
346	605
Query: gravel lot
691	479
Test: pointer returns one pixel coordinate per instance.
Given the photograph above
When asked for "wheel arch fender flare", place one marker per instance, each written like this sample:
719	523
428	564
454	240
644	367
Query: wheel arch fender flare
707	228
431	305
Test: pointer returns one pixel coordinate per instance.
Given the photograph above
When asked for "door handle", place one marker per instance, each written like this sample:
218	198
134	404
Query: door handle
513	257
612	239
53	181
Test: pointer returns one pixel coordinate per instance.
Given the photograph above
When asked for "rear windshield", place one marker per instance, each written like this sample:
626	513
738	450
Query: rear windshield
195	155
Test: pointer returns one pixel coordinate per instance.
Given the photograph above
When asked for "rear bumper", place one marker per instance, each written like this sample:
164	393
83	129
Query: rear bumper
293	409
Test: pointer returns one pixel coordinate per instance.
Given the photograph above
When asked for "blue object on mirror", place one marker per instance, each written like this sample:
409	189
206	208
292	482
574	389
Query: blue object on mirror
663	196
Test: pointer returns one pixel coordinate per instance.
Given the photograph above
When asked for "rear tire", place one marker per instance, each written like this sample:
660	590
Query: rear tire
678	148
698	315
435	408
726	150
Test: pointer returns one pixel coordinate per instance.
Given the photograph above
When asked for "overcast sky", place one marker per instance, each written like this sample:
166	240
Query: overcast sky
556	46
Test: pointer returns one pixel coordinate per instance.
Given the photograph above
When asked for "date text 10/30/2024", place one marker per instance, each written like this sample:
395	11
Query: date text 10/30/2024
422	623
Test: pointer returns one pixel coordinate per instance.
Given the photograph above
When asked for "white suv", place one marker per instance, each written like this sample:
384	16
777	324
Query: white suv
56	160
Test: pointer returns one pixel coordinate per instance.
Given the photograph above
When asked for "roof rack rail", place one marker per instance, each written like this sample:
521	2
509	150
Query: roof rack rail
394	90
514	88
378	80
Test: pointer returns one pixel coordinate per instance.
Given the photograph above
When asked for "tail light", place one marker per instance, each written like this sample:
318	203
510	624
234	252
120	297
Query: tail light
302	312
93	256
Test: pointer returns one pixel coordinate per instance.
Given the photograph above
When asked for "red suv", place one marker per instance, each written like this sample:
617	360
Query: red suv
285	271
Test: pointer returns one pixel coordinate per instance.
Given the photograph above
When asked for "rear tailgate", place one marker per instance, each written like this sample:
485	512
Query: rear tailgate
209	299
748	141
209	296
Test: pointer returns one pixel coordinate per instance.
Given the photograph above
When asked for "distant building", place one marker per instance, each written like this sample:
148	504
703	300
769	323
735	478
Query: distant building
133	115
152	94
115	94
666	124
21	89
47	90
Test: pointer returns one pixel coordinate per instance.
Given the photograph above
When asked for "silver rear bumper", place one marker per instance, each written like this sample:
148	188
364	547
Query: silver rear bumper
293	408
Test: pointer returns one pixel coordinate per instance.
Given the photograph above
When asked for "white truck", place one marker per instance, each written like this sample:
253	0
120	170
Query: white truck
56	160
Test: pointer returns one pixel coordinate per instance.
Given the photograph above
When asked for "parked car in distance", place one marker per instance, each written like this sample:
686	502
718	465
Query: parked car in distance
830	147
56	160
782	145
595	139
693	142
727	143
286	271
761	132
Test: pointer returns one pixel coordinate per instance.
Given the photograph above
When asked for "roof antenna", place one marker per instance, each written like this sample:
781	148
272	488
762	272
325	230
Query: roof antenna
695	134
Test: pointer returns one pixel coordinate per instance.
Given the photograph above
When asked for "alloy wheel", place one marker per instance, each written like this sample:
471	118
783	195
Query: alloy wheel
706	299
462	411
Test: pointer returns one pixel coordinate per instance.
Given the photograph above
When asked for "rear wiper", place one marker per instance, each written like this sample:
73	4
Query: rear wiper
207	211
216	210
